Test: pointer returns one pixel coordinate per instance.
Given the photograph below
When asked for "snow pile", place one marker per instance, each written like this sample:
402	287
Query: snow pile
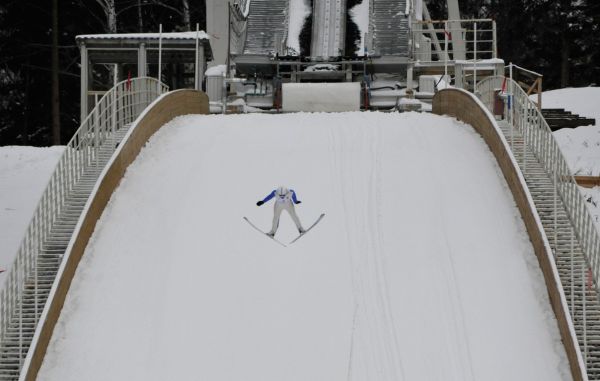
592	196
299	10
360	16
581	147
216	71
322	67
24	174
417	272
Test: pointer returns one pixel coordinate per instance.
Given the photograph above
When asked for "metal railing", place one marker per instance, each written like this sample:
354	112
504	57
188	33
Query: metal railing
524	115
118	107
437	41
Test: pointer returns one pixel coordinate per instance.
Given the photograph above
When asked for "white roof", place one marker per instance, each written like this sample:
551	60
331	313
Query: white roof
141	36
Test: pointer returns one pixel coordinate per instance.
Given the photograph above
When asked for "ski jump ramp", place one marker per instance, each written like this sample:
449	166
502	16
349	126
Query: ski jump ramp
417	273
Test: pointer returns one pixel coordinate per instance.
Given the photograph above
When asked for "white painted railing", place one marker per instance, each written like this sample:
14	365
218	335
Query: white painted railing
117	108
437	41
523	115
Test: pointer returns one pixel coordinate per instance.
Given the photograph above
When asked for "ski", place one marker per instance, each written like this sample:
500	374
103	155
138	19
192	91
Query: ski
255	227
310	227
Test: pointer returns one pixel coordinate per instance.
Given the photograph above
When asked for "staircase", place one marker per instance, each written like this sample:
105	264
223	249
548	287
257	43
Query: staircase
558	118
29	281
23	321
573	269
266	27
389	27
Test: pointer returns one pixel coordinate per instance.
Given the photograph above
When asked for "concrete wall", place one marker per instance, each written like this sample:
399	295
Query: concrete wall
465	107
176	103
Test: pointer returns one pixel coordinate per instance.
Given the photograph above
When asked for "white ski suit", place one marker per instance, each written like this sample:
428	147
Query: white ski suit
284	200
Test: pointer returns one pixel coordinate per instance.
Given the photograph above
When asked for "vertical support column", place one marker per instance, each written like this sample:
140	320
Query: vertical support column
196	71
142	61
474	57
458	42
201	67
495	41
84	82
409	79
159	59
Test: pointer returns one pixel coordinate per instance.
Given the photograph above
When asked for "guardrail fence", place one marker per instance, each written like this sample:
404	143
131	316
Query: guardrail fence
524	117
28	281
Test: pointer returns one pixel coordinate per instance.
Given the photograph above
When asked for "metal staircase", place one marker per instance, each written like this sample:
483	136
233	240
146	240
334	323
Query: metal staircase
267	26
38	260
569	227
582	297
389	27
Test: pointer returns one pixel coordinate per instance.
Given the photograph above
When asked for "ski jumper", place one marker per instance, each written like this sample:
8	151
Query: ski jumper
284	200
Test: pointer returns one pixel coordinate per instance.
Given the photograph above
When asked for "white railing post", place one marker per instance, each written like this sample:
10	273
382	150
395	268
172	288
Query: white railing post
474	57
82	152
584	301
555	199
159	58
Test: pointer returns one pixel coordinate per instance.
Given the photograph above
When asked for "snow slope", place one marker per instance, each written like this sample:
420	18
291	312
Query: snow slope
24	174
421	269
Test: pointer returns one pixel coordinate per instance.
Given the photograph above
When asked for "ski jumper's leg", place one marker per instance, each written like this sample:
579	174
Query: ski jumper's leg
277	209
292	211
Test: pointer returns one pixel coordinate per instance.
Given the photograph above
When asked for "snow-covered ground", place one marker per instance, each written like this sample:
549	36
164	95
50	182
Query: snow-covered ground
581	145
417	272
24	174
584	101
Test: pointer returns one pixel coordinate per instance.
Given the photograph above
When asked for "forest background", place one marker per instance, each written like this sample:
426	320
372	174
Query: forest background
39	59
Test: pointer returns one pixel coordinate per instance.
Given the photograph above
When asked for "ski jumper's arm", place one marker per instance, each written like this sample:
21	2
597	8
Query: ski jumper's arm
269	197
294	197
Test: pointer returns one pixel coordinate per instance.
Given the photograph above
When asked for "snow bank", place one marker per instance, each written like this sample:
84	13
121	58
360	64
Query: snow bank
592	196
416	272
215	71
24	174
581	147
360	16
299	10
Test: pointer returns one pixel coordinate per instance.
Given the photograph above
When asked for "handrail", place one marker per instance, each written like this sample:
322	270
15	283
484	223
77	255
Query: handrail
479	37
525	116
117	108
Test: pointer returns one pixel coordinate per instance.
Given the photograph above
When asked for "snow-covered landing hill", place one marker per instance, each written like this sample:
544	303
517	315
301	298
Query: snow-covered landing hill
421	269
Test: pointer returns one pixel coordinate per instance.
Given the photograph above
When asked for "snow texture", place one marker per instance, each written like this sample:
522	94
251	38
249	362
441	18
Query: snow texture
360	16
299	10
24	174
417	272
216	71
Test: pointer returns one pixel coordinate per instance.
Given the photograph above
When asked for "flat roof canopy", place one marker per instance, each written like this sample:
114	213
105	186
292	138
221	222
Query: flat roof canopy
123	48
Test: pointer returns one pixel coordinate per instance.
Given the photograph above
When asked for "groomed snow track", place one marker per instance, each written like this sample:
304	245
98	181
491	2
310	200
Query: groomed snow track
412	252
395	266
